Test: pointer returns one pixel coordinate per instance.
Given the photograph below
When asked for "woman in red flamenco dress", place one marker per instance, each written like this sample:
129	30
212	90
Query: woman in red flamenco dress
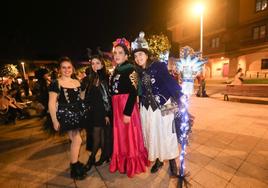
129	154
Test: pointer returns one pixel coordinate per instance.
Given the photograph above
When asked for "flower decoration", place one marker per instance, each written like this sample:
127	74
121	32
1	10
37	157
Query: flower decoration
122	41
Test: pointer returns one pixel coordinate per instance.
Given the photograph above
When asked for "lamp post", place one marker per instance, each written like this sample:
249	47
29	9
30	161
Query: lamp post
23	69
199	9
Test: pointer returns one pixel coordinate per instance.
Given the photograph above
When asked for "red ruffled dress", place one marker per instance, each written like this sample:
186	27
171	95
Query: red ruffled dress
129	153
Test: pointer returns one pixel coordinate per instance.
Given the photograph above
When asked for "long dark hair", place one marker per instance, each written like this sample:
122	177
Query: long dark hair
99	76
124	48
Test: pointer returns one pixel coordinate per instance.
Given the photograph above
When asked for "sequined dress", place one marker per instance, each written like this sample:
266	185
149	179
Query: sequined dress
71	109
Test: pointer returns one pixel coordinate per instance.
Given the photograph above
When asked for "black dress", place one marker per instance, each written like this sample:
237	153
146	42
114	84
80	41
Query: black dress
97	111
71	109
97	100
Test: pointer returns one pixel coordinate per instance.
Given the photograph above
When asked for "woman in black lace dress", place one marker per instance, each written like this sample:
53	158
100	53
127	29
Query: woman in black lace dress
67	111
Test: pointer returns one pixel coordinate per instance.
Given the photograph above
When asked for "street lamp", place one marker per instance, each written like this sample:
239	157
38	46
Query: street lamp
23	69
199	9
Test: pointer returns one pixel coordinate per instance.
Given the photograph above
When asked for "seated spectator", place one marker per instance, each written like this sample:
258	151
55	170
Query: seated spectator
238	79
9	108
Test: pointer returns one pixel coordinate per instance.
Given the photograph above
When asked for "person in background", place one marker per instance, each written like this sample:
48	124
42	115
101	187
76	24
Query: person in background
202	86
25	87
238	79
40	90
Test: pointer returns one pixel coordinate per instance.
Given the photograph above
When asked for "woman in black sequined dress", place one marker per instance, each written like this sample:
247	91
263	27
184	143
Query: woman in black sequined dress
67	112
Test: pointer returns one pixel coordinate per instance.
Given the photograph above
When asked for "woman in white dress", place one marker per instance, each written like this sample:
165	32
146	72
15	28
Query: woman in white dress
158	89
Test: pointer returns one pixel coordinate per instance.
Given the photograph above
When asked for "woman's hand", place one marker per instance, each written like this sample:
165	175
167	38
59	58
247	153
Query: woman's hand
126	119
56	126
107	120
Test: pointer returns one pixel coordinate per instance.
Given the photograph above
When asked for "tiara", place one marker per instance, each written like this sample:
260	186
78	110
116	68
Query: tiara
121	41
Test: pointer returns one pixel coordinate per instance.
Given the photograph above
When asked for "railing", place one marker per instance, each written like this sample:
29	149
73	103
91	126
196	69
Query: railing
256	74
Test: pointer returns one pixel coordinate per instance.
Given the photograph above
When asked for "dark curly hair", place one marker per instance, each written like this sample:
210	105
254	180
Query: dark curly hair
124	48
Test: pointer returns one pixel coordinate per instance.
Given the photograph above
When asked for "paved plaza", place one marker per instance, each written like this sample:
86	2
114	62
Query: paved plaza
228	148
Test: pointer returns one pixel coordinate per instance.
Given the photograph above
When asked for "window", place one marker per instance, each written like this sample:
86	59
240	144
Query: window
259	32
262	31
264	64
215	42
261	5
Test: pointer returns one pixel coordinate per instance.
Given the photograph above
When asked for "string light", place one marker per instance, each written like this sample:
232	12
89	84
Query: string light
159	46
189	65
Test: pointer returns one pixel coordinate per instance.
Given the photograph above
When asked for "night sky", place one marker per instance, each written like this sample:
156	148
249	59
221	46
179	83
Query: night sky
44	29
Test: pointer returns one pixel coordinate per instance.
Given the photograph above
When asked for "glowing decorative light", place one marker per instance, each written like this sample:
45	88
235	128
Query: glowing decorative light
164	56
189	65
23	69
159	46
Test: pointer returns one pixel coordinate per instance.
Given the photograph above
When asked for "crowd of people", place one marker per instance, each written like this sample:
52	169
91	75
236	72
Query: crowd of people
125	114
11	100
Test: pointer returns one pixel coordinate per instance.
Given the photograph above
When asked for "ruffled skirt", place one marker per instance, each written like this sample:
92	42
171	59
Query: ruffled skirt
129	154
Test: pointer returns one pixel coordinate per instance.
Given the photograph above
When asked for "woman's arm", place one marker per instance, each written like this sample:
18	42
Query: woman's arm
132	91
52	102
171	84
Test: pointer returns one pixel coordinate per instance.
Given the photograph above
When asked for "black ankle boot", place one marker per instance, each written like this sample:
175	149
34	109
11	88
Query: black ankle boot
77	171
157	165
90	163
173	167
81	165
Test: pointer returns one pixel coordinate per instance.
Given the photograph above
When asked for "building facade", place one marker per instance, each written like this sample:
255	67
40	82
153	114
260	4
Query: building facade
235	35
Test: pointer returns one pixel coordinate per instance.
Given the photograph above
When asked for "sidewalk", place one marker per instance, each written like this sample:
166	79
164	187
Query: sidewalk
228	148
